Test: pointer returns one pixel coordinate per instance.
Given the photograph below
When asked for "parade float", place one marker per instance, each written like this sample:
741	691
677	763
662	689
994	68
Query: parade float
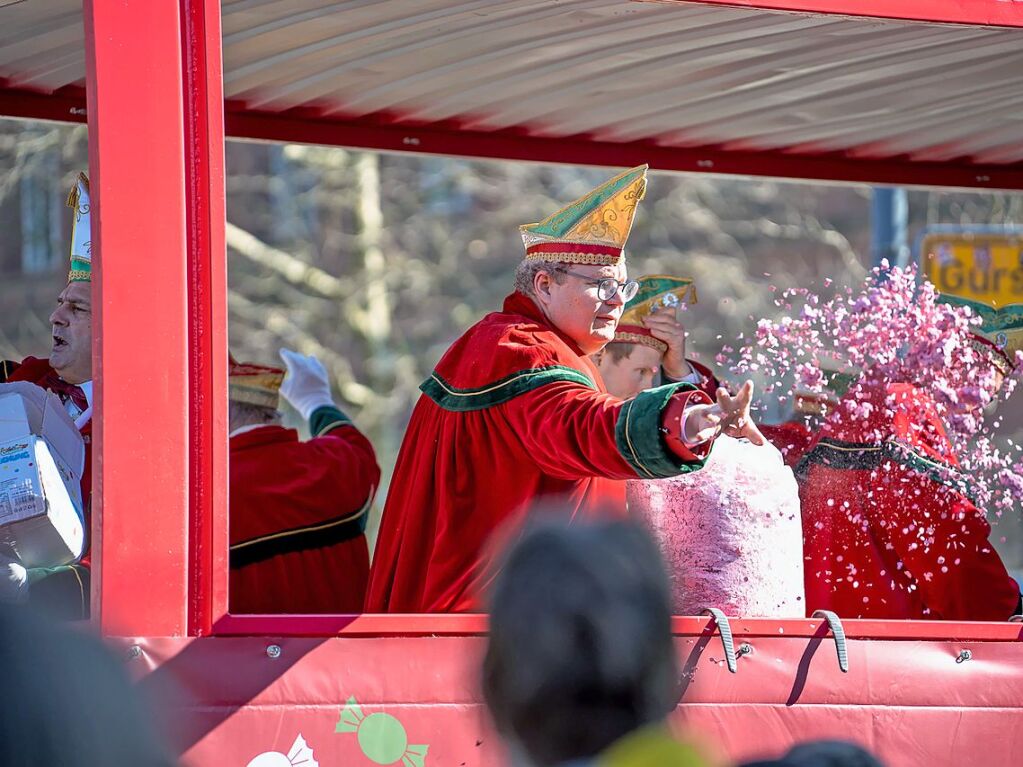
898	92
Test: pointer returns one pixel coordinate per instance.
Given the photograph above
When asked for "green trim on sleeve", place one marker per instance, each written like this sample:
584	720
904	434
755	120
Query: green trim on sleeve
326	418
500	391
856	456
638	434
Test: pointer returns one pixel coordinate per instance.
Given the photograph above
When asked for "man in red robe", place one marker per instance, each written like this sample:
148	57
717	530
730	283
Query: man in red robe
515	416
889	528
650	342
298	509
64	590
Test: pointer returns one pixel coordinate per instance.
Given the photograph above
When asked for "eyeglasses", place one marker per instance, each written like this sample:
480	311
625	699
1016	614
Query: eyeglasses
608	287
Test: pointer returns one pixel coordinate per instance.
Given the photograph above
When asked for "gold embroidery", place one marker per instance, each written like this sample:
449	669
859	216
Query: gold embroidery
628	439
638	338
476	392
311	528
594	259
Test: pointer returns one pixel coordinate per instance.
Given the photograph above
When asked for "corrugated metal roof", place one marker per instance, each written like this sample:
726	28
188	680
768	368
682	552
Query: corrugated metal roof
672	74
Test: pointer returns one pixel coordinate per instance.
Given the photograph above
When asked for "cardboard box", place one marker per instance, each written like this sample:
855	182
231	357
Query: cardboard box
42	456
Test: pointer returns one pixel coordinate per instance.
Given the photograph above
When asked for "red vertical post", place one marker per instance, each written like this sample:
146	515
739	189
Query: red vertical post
156	156
207	310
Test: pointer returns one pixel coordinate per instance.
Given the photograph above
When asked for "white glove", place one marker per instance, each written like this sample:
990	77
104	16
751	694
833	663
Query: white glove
13	581
306	385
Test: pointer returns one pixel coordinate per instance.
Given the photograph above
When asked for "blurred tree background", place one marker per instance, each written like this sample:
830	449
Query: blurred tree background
376	262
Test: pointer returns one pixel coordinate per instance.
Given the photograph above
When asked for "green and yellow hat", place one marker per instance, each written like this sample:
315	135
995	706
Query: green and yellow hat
81	231
1000	334
594	228
656	292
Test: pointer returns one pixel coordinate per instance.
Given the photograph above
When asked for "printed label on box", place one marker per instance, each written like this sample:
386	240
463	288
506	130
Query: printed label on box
17	497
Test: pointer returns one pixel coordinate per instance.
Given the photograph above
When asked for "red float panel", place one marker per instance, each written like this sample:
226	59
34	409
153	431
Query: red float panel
226	701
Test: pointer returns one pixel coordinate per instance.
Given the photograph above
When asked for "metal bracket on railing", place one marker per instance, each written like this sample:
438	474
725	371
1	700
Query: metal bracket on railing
726	636
839	633
1016	619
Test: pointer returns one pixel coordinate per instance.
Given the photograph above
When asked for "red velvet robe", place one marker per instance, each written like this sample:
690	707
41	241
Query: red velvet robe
792	438
888	525
514	419
298	516
64	591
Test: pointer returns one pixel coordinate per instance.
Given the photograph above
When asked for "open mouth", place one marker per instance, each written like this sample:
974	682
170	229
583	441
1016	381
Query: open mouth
58	342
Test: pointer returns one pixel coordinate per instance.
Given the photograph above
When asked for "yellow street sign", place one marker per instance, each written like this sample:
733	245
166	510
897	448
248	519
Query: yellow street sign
980	266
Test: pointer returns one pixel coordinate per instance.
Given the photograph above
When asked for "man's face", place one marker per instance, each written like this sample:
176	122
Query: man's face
627	377
71	355
574	308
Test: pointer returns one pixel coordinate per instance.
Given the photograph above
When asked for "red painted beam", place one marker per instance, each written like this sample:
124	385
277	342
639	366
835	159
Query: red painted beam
362	133
306	127
994	13
140	285
66	105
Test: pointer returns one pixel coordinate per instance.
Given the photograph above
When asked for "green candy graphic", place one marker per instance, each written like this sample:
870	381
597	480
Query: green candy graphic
382	738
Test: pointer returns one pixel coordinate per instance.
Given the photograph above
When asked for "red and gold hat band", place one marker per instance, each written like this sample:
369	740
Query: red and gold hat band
996	354
635	334
575	253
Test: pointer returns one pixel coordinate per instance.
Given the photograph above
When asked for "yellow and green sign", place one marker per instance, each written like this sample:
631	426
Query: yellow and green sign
983	266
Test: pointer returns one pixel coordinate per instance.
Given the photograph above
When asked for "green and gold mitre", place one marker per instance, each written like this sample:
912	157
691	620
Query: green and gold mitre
658	291
81	231
1000	334
594	228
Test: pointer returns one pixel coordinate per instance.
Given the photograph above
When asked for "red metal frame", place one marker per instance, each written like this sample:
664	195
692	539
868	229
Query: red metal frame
207	312
995	13
136	145
476	625
160	552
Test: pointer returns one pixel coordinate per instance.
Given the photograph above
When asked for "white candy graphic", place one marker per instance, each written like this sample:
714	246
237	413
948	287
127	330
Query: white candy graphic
300	755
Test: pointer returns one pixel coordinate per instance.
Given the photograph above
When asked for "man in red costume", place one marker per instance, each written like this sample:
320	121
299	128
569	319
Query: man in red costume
64	590
515	415
794	436
889	528
298	509
650	341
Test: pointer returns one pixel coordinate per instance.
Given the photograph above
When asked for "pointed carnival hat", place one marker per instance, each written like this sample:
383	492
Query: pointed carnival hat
81	231
656	292
594	228
1000	334
254	384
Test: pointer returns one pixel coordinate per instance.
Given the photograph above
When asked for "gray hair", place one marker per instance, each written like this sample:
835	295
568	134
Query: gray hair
580	651
527	270
245	414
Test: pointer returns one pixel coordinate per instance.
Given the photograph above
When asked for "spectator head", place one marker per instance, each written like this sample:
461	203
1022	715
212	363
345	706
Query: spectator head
822	753
68	701
830	753
580	650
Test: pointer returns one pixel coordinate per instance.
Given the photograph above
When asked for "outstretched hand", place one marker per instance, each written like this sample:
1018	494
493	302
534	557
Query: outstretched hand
729	415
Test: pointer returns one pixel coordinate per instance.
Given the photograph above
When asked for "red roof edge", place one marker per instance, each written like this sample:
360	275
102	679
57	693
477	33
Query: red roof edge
987	13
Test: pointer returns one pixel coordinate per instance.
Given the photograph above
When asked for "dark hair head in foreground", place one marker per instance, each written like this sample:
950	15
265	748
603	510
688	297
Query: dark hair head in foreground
68	701
823	753
580	650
